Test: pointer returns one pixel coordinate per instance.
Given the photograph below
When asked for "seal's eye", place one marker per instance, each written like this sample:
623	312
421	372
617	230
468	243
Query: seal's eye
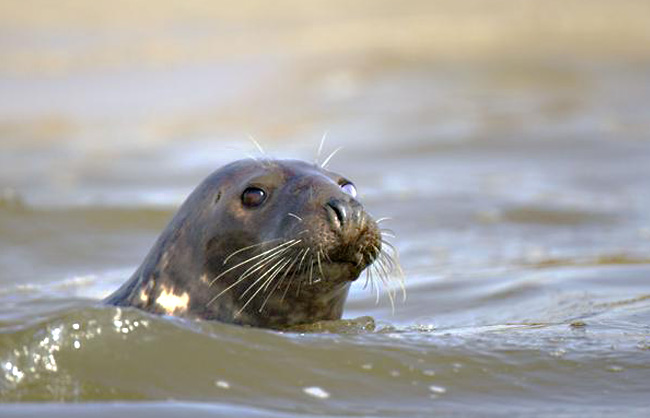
348	188
253	197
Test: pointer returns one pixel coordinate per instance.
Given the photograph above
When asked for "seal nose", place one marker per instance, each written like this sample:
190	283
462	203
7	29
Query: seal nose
343	214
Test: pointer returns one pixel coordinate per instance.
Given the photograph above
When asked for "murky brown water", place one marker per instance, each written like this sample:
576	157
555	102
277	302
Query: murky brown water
509	144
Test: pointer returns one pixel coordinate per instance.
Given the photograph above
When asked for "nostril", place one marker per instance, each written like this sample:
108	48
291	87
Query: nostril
339	210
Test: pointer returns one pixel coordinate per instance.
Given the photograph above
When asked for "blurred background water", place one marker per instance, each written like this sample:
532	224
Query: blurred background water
508	141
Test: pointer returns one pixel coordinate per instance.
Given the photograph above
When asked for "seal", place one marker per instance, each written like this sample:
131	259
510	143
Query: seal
264	243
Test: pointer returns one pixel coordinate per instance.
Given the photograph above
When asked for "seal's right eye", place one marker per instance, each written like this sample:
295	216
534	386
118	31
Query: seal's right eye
349	188
253	197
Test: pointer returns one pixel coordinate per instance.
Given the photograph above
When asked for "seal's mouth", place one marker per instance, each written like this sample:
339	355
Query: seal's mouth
359	248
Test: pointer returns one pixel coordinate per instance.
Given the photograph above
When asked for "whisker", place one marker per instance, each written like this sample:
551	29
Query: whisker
303	271
400	281
309	269
393	249
375	287
320	147
298	289
279	282
257	145
286	289
382	266
384	219
271	277
371	277
295	272
389	290
234	253
280	248
303	258
329	158
258	266
387	260
291	262
272	268
394	267
386	269
320	266
294	216
253	269
265	285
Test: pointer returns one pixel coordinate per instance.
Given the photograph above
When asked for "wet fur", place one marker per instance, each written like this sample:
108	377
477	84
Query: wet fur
282	264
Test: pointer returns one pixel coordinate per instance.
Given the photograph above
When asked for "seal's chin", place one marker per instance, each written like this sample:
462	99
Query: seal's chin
342	271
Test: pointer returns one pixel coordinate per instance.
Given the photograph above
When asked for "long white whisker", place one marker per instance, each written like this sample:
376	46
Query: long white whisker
365	284
303	258
389	245
272	268
320	267
320	147
279	282
298	289
390	292
252	270
385	264
293	215
286	290
261	264
295	272
262	286
257	145
283	246
387	260
329	158
241	250
375	287
395	267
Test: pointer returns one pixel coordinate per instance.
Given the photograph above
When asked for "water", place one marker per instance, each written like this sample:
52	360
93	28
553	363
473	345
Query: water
510	151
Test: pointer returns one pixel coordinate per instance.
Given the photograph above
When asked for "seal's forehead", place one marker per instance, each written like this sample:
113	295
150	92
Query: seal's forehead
274	171
300	168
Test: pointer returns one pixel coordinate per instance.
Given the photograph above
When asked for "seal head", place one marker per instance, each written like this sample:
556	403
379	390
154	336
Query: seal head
265	243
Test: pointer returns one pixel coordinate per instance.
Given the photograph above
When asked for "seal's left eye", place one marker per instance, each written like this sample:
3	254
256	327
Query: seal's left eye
253	196
348	188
